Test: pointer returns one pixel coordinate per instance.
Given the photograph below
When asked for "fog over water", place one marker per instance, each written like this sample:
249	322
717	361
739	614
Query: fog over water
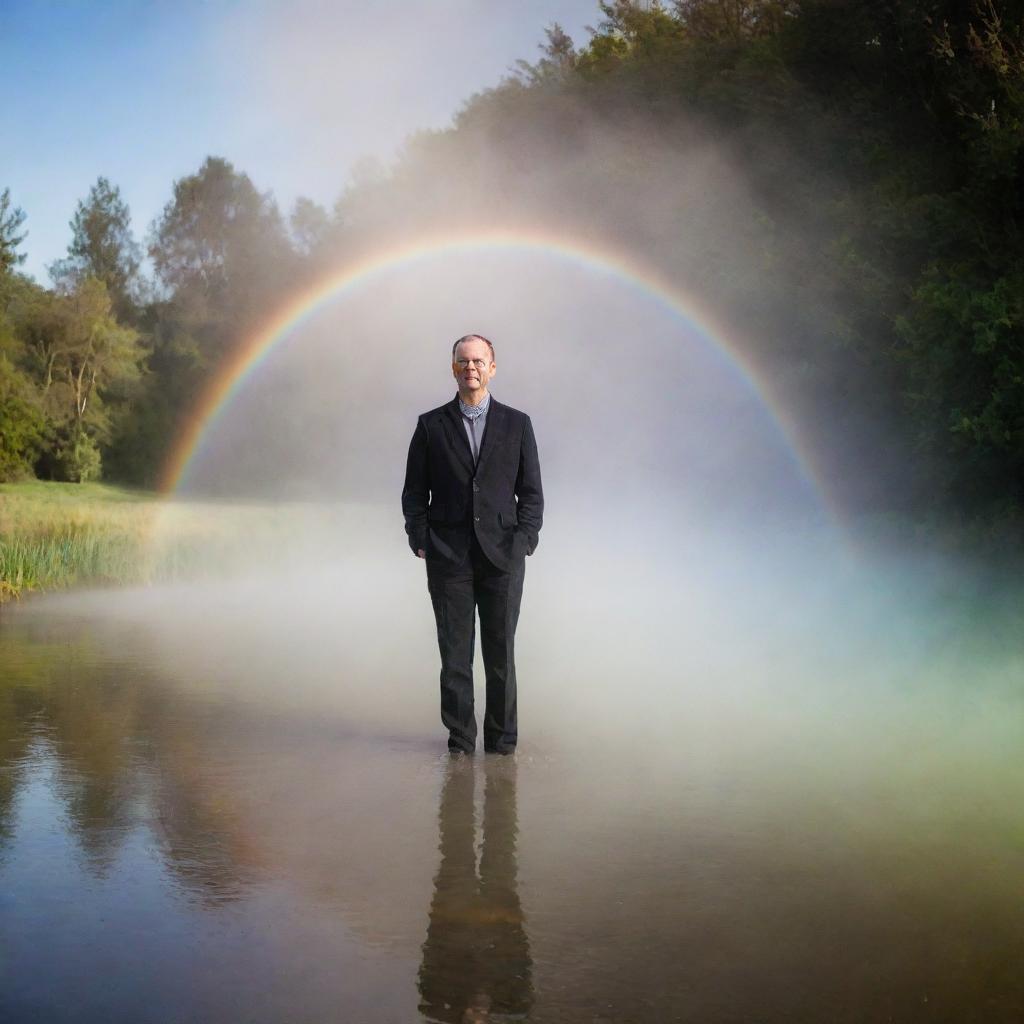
757	778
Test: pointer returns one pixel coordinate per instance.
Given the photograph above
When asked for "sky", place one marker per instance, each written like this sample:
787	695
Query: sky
292	93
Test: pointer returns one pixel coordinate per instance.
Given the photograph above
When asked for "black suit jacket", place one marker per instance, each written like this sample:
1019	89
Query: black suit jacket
446	499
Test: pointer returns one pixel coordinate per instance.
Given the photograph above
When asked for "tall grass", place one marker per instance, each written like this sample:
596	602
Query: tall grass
59	558
59	535
55	535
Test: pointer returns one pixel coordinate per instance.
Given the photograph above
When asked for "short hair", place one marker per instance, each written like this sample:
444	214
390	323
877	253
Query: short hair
473	337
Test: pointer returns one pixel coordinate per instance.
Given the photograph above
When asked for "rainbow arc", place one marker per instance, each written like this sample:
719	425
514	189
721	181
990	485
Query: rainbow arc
253	353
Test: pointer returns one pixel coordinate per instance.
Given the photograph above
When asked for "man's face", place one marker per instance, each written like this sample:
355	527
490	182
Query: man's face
472	365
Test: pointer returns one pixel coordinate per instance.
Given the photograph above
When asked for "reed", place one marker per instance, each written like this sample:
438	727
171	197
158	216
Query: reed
56	535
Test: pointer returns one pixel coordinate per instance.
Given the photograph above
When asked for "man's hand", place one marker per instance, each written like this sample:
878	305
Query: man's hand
528	490
420	553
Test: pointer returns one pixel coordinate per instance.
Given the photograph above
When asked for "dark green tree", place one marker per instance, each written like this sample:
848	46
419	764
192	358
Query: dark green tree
223	260
222	254
558	58
23	426
11	219
733	21
103	247
25	430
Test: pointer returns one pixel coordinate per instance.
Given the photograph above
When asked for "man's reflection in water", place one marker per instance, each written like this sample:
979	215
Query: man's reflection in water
476	960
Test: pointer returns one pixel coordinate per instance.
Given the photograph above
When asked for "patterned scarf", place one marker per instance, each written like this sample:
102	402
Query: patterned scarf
473	411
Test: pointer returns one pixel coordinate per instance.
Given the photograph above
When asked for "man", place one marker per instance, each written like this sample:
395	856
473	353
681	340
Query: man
473	509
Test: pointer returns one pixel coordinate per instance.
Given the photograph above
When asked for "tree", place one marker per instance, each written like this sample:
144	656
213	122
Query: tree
96	351
310	226
223	259
733	21
961	336
103	247
558	58
10	220
221	251
175	374
23	428
642	37
78	354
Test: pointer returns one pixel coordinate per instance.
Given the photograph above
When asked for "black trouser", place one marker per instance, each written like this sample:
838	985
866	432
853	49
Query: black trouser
456	593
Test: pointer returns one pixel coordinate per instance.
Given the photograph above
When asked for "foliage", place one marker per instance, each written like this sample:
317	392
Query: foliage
11	218
66	365
23	427
77	350
557	62
76	456
103	247
310	226
221	252
735	21
890	139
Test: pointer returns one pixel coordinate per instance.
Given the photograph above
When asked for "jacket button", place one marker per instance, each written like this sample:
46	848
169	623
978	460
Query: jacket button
476	519
476	486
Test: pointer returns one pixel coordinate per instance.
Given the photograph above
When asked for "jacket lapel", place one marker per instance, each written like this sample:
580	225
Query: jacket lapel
457	434
495	423
456	430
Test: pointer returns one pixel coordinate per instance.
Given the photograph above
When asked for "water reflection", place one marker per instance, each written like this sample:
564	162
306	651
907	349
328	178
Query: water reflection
476	958
189	832
119	754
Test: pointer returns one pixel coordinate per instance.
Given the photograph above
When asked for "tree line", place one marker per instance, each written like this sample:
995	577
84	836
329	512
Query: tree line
97	370
881	151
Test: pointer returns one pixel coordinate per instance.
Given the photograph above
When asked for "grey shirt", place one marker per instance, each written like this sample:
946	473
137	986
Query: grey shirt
475	426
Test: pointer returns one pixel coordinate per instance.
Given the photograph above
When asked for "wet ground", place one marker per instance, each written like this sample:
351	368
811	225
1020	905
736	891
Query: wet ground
201	831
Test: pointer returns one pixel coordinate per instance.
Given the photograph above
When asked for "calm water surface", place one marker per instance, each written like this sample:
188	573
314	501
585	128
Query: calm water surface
174	848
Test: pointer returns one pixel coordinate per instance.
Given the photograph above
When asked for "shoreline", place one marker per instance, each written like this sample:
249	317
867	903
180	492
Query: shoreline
58	536
54	536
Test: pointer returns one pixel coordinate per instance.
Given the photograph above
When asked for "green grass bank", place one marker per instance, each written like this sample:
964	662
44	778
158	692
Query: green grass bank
57	535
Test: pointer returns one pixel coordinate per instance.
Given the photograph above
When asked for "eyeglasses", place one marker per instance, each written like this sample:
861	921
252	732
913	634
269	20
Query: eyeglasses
463	364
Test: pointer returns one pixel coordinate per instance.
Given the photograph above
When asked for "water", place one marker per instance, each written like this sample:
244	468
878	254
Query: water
250	816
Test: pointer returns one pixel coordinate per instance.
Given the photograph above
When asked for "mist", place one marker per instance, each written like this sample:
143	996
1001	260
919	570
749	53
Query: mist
729	743
709	610
769	726
676	207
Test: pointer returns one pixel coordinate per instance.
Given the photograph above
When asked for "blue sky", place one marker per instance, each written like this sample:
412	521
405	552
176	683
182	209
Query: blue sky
293	93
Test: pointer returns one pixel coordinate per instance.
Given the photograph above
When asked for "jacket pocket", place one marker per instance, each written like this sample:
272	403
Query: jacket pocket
508	518
437	513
